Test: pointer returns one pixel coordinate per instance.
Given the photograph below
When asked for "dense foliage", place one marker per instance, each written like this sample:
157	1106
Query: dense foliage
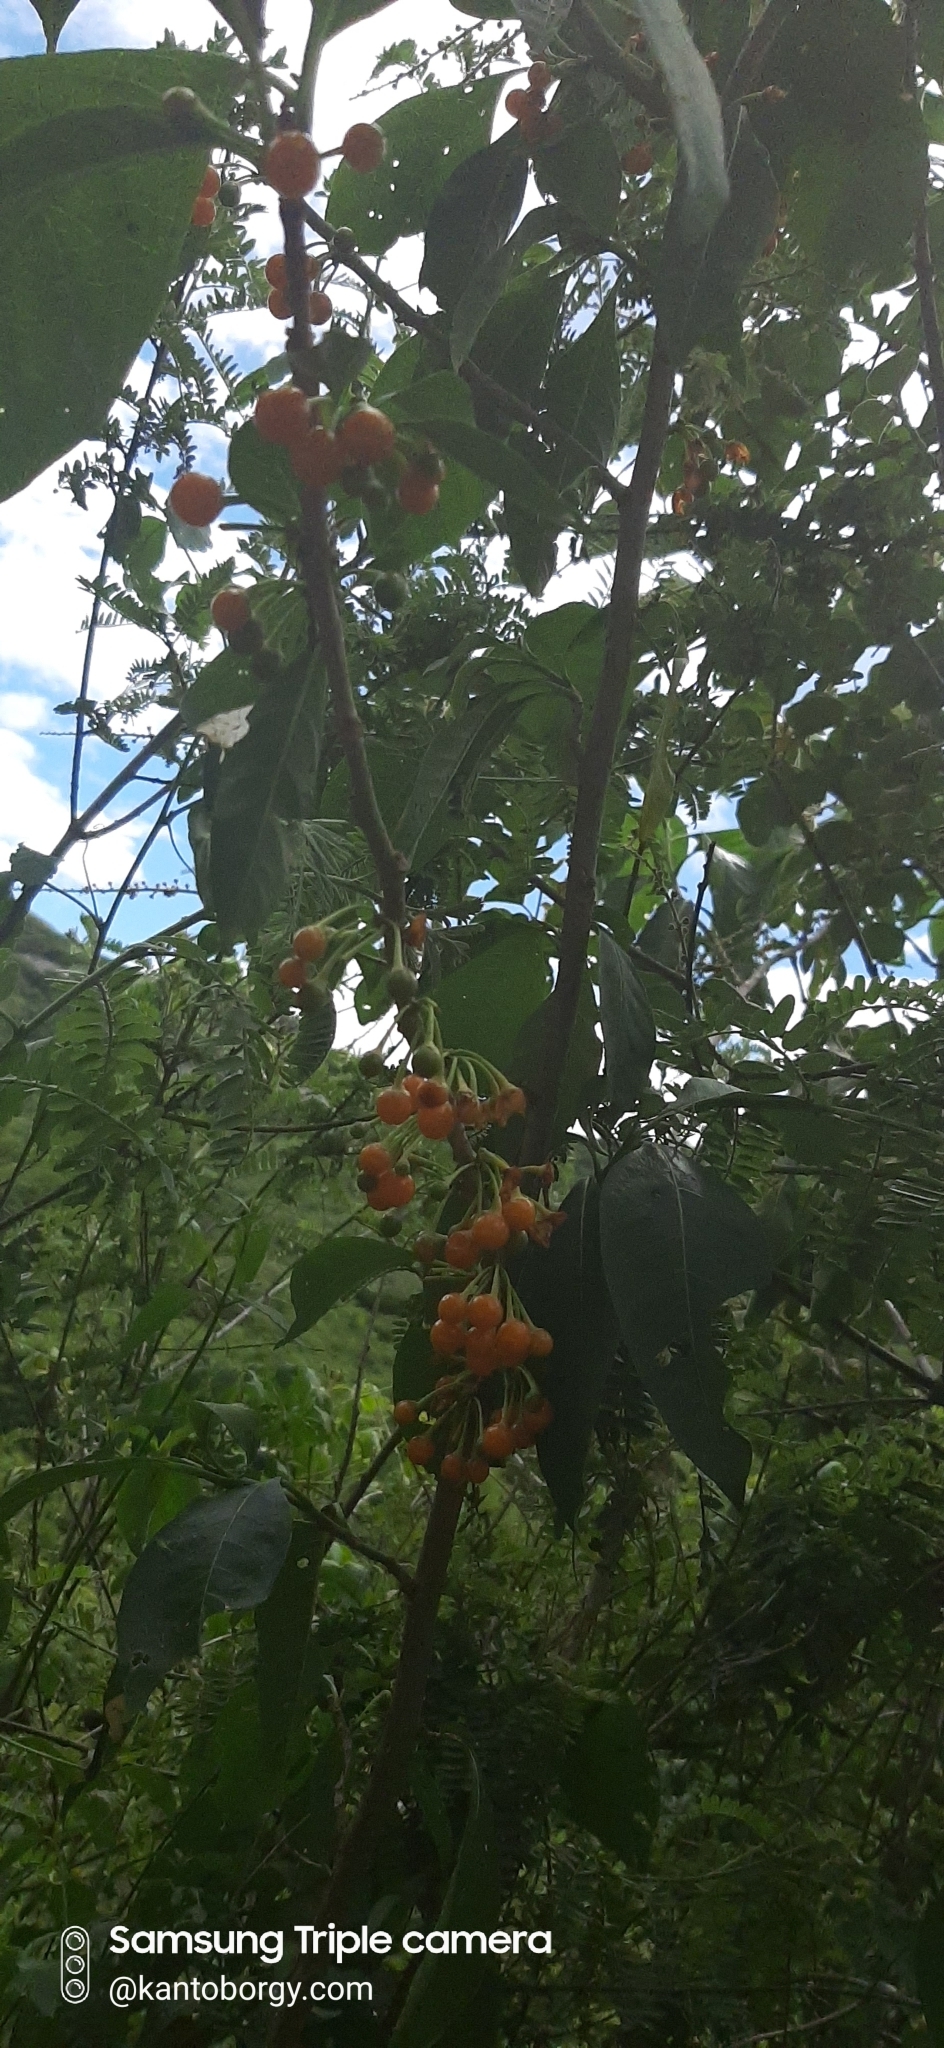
628	1623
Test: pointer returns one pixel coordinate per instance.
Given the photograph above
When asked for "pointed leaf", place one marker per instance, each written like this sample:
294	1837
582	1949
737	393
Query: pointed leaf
456	750
169	1299
54	14
677	1242
608	1782
659	798
483	1005
564	1290
689	1387
266	781
582	172
314	1038
428	136
583	394
485	287
334	1270
629	1032
226	683
288	1666
472	218
497	463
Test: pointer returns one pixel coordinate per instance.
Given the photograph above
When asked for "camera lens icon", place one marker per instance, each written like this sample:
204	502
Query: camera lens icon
74	1964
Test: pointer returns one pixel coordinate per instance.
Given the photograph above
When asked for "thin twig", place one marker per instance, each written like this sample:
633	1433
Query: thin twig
748	65
606	54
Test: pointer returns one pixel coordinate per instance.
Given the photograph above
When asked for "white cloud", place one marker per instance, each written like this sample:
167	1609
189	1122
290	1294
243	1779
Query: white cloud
35	814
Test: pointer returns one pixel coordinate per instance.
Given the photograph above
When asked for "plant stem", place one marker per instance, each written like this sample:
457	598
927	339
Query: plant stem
597	762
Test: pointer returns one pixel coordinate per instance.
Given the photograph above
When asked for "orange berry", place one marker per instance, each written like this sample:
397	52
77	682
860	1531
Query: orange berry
412	1083
366	435
364	146
490	1231
436	1123
459	1250
477	1471
202	213
406	1412
637	160
378	1194
542	1344
774	93
195	499
453	1468
540	76
445	1338
681	502
278	304
374	1159
417	494
310	942
427	1249
393	1106
395	1190
481	1356
513	1341
711	60
452	1308
291	164
210	184
485	1312
416	930
276	272
320	309
421	1450
497	1440
516	102
539	1416
468	1107
519	1212
230	610
282	415
292	973
316	458
432	1094
737	453
522	1434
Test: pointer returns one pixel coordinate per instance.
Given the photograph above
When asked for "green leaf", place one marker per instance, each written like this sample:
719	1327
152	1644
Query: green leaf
427	137
629	1032
514	341
929	1968
563	1289
493	460
398	540
333	1271
54	14
696	114
457	749
262	476
485	287
608	1782
265	782
439	397
226	683
288	1668
659	797
582	172
314	1038
169	1299
220	1555
415	1366
472	218
583	394
483	1005
446	1990
529	1060
95	191
696	294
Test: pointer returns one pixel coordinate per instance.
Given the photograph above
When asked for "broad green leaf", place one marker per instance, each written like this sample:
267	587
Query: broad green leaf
529	1061
485	287
696	113
155	1490
427	137
288	1667
226	683
689	1387
608	1782
582	172
54	14
513	343
314	1038
445	1993
483	1005
397	540
95	192
659	797
169	1299
629	1032
929	1968
564	1290
441	396
454	754
250	1255
497	463
265	783
220	1555
472	218
240	1422
48	1478
262	476
334	1270
696	291
415	1366
583	394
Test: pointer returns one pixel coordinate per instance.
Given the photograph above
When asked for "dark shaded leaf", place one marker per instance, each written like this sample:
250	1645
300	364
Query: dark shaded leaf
265	782
499	464
314	1038
582	172
483	1005
472	218
288	1667
583	394
226	683
608	1782
485	287
261	475
629	1032
334	1270
564	1290
428	137
446	1991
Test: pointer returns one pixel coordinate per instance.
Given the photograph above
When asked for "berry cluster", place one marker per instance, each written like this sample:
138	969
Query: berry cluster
699	470
292	164
359	452
537	127
320	308
438	1107
474	1446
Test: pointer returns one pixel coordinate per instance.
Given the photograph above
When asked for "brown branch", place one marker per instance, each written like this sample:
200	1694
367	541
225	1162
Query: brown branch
597	762
639	81
932	1390
746	71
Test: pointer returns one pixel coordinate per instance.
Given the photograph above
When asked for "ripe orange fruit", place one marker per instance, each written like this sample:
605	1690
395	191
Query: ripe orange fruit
364	146
406	1412
436	1123
393	1191
316	458
310	942
542	1343
445	1338
459	1250
417	493
497	1440
477	1471
519	1212
210	184
291	164
490	1231
278	305
638	160
292	973
452	1308
374	1159
202	213
276	273
420	1450
416	930
539	1416
195	499
412	1083
481	1356
393	1106
454	1469
320	309
230	610
682	502
516	102
484	1311
366	435
282	415
432	1094
513	1341
737	453
541	76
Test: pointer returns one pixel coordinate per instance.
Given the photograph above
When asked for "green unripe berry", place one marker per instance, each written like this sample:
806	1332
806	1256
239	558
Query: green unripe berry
391	1224
230	194
391	591
371	1065
428	1061
344	243
401	984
